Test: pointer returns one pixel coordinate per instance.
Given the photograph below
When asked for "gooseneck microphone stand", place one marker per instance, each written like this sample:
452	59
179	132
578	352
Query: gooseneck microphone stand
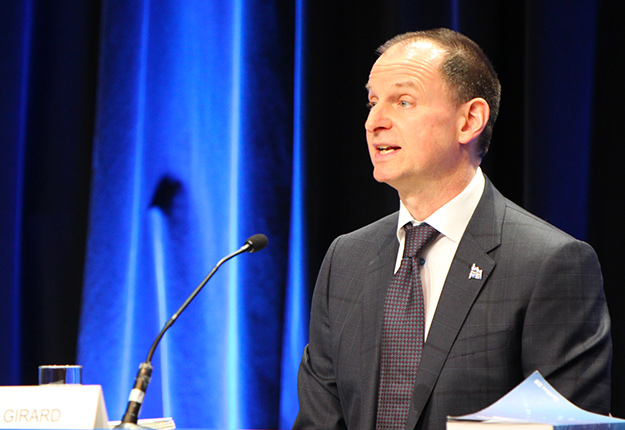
129	421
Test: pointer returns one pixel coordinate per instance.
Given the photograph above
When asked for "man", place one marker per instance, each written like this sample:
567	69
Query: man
498	292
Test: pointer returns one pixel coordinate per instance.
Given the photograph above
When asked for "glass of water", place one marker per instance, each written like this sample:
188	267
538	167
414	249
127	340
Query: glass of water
60	374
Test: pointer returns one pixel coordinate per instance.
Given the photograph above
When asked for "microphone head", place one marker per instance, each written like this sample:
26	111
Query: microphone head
256	243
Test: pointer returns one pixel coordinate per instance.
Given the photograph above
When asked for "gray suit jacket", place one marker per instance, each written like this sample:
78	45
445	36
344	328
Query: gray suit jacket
539	306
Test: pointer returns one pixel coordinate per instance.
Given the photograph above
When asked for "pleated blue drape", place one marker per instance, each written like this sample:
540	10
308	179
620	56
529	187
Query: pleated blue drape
193	153
17	21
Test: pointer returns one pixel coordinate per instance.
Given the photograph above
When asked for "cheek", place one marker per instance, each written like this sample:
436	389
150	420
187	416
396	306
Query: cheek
439	133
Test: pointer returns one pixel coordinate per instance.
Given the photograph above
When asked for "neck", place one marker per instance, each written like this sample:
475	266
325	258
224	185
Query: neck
423	201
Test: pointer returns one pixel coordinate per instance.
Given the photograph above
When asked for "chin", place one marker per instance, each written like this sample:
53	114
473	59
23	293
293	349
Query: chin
378	176
383	178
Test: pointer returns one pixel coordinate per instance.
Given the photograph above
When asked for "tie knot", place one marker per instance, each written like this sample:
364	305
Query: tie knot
417	238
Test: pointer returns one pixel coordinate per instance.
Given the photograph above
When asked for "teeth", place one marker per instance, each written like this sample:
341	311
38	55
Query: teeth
385	149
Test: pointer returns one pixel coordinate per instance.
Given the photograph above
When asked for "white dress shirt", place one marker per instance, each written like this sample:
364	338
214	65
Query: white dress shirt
451	221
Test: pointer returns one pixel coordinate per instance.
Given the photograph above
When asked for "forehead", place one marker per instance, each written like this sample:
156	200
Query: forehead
415	63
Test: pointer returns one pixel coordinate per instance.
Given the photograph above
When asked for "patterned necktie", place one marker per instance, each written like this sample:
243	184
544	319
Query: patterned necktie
402	332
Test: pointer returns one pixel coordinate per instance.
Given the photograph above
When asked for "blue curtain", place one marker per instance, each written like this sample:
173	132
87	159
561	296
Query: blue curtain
143	141
193	153
16	21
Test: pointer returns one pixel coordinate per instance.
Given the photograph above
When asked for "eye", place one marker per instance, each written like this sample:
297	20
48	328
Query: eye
405	103
370	104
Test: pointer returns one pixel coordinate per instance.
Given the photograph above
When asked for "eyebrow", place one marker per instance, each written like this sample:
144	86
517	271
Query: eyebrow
400	84
405	84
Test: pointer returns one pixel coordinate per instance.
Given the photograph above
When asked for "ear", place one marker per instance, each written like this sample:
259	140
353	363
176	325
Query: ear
475	114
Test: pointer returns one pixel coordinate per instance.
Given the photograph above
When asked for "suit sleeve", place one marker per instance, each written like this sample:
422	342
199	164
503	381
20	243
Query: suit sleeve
566	332
319	403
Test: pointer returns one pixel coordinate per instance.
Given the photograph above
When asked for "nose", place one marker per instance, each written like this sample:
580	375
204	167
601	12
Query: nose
377	119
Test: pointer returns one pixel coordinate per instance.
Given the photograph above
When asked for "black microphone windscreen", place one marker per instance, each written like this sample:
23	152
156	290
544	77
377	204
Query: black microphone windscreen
256	242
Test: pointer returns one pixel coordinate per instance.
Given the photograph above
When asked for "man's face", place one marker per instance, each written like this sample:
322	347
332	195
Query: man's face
412	127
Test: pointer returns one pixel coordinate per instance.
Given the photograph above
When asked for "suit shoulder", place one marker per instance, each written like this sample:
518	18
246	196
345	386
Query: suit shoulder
371	231
367	241
528	223
520	224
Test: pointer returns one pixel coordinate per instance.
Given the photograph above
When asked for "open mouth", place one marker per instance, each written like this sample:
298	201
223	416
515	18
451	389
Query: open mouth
386	149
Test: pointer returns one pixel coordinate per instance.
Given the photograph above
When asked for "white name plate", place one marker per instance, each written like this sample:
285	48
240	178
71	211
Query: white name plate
54	406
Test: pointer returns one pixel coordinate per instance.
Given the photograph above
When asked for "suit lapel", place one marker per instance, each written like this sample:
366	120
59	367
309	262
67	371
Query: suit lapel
378	276
459	292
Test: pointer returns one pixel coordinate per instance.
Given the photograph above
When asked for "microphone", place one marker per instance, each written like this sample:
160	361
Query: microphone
129	421
255	243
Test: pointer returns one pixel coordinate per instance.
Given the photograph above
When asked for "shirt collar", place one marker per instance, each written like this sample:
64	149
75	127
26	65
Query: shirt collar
450	220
